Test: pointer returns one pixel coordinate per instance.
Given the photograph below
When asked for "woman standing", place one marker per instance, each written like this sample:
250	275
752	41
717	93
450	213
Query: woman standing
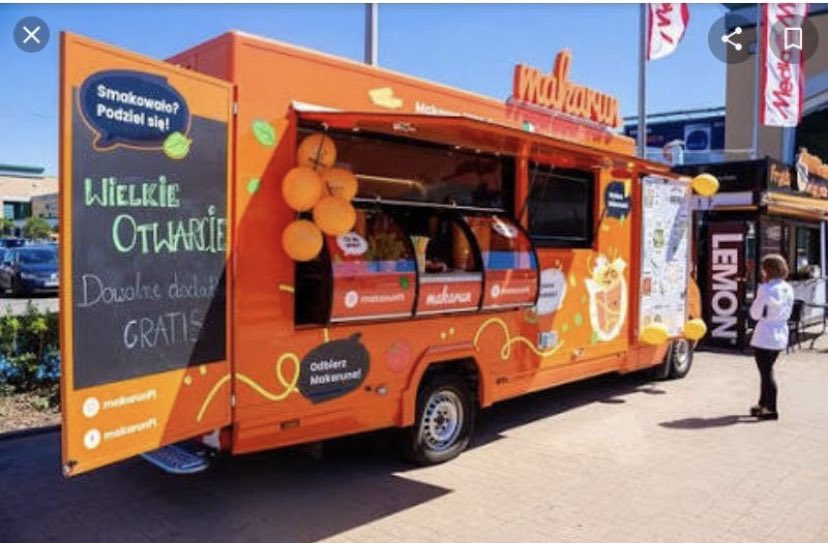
771	309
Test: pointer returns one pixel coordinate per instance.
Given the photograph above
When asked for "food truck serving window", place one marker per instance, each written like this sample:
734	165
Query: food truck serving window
411	171
560	206
373	269
509	262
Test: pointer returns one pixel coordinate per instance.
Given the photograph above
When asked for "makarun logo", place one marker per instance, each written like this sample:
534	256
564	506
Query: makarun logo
351	299
445	297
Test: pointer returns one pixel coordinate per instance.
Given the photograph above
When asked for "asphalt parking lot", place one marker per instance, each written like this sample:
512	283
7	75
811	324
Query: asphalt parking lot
617	458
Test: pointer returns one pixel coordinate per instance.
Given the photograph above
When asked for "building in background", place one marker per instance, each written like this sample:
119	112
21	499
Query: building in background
19	185
773	197
45	206
683	137
781	144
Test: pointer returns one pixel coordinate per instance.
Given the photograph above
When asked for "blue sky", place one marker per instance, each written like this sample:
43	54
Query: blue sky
470	46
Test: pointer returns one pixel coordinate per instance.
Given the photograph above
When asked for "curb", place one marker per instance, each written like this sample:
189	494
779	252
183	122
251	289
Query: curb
28	432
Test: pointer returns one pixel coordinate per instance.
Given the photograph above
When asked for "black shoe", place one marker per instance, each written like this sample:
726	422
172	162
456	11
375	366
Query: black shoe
755	410
767	414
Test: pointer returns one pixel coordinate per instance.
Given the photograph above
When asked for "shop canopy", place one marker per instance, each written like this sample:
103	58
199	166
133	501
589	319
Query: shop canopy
799	206
470	133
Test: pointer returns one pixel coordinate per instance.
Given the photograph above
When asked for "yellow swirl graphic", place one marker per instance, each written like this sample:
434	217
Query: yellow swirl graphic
506	349
286	288
210	397
289	386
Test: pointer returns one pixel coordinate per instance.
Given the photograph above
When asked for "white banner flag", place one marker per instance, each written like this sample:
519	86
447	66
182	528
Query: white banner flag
783	76
667	24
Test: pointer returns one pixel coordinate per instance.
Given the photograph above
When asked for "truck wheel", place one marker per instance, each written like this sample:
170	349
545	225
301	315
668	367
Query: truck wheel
679	358
445	418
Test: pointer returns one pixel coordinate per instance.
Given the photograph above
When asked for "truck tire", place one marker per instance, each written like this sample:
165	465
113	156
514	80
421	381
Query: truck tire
679	358
444	421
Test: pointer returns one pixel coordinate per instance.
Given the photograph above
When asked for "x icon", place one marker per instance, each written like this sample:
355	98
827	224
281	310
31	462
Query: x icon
31	34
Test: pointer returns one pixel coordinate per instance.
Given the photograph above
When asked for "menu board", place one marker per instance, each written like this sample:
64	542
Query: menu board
148	275
665	234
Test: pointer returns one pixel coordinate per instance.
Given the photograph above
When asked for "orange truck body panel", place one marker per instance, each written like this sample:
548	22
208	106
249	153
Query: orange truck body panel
269	78
265	347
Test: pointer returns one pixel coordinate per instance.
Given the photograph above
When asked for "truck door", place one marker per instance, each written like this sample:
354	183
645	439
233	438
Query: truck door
144	180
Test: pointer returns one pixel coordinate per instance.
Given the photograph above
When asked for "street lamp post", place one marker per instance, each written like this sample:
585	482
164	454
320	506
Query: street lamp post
371	13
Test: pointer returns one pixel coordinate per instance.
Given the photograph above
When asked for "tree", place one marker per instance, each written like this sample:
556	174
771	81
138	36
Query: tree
6	226
36	228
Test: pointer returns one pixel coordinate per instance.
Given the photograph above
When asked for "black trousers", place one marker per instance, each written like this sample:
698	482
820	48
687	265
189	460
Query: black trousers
764	361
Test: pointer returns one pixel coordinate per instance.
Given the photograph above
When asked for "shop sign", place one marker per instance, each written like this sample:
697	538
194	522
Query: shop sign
725	289
779	176
556	92
812	175
737	176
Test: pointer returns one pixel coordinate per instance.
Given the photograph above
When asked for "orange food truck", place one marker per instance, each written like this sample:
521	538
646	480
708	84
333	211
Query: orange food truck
269	246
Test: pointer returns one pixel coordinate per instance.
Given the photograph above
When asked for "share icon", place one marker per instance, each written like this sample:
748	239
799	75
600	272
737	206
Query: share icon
727	38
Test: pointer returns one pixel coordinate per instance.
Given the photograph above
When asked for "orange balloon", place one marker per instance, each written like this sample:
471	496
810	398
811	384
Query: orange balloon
334	216
302	240
302	188
317	151
341	183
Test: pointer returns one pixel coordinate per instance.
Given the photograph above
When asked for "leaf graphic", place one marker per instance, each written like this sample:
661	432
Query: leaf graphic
176	146
404	283
579	319
253	186
264	133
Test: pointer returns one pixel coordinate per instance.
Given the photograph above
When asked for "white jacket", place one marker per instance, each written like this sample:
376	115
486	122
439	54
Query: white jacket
771	309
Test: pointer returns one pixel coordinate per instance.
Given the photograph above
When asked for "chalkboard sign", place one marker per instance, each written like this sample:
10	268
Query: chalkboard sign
149	230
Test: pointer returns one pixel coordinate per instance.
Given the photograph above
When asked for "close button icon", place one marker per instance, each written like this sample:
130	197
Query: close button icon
31	34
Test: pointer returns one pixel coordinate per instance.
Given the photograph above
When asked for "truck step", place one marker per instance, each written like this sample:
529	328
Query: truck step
181	458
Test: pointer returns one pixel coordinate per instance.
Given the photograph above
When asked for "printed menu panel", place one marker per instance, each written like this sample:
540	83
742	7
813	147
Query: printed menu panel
665	235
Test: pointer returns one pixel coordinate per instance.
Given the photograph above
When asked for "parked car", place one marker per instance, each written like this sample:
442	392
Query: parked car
7	243
29	269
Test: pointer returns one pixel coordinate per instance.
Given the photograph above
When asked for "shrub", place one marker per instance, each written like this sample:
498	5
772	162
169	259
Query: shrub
29	350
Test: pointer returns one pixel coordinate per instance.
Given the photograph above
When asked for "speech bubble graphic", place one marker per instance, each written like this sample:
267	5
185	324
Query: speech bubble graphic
134	109
333	369
616	200
352	244
552	291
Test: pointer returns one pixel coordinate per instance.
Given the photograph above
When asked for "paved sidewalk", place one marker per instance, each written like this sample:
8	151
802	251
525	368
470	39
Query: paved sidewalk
616	459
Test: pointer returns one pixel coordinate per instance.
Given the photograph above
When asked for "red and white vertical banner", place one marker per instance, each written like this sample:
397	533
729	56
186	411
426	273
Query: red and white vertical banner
783	74
666	26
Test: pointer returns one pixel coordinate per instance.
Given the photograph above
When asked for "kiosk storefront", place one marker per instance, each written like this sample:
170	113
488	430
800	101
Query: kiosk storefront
763	207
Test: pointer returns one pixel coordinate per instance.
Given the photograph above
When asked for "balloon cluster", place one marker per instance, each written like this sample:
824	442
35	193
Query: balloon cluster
315	185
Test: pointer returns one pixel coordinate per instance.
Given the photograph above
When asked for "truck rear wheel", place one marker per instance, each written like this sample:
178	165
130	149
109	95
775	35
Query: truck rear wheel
445	418
679	358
